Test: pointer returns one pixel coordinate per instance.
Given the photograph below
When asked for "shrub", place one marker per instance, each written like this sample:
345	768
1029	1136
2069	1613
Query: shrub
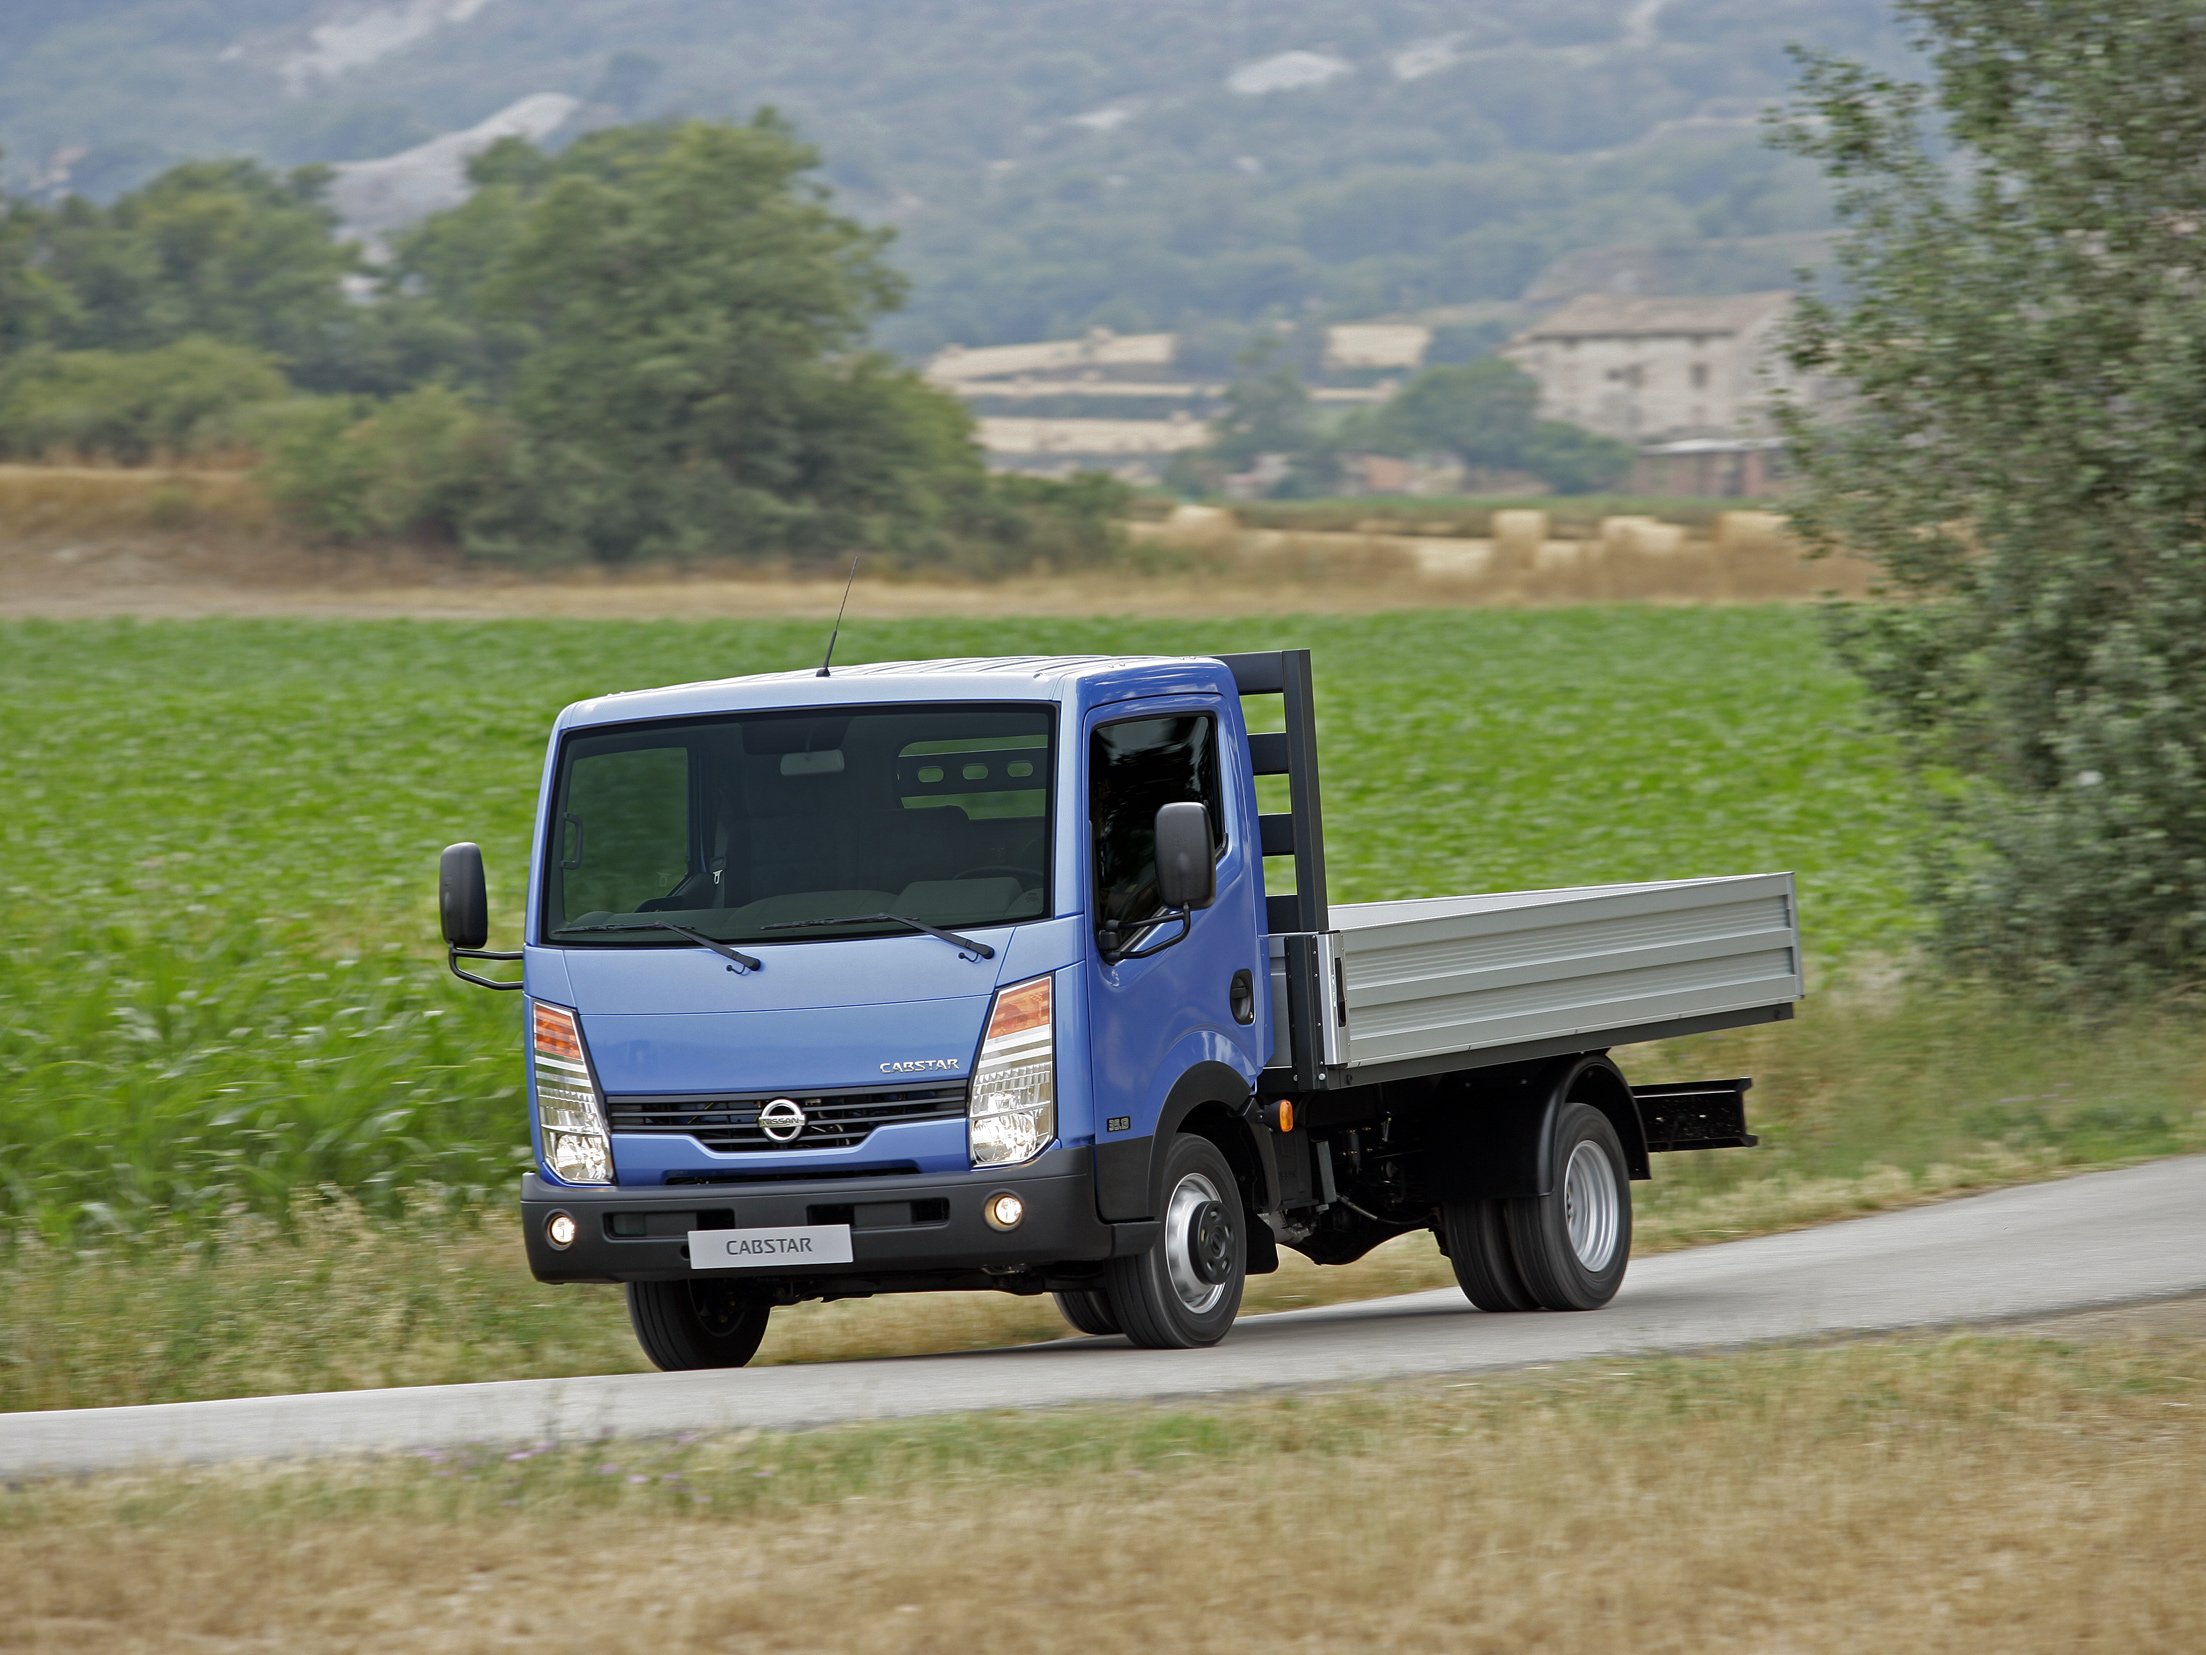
1016	522
1572	460
188	400
424	465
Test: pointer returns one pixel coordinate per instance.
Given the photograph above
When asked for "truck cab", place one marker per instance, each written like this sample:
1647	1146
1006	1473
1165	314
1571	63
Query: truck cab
957	974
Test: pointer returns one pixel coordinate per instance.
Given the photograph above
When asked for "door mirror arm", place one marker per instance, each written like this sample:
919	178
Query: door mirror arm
1187	879
453	956
1109	935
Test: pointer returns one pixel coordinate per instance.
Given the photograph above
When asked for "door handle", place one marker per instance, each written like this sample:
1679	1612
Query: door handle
1241	995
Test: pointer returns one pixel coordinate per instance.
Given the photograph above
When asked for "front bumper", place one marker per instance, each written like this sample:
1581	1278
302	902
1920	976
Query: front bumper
911	1231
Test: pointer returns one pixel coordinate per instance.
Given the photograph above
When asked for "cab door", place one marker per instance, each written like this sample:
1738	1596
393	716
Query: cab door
1153	1019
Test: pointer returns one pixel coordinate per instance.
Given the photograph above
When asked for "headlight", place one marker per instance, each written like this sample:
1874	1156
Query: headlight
578	1149
1011	1112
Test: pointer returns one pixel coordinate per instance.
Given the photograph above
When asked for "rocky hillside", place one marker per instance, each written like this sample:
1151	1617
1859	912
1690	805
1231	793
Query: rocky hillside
1051	164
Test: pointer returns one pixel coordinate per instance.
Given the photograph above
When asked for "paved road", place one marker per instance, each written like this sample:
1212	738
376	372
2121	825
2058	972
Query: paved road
2106	1238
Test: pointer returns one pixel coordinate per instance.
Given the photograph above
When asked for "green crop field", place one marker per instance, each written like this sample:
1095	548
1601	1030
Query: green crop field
219	982
222	1002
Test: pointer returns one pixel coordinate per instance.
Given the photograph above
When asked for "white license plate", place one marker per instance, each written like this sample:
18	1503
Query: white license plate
761	1249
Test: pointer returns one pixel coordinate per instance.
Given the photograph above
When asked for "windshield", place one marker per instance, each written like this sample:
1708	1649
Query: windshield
734	825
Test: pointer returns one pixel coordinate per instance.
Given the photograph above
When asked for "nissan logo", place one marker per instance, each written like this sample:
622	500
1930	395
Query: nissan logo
781	1120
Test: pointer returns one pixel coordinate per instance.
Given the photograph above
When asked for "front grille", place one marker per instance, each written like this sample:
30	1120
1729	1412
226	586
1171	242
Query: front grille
832	1120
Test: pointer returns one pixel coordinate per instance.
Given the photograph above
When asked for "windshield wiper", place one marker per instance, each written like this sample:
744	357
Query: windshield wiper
980	949
697	937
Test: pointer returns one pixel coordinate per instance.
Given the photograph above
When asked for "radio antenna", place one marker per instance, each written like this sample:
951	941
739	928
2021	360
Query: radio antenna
839	608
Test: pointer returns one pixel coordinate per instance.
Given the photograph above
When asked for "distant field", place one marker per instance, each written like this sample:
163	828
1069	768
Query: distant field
218	976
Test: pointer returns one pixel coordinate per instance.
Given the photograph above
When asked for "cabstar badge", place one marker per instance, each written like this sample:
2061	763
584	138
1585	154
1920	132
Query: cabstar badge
781	1120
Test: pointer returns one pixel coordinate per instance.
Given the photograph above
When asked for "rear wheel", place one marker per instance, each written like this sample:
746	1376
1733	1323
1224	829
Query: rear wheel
1186	1289
1477	1234
1572	1244
1089	1312
696	1324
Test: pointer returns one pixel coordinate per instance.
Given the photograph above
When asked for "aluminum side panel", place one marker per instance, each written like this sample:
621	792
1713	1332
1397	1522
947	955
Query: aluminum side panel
1440	975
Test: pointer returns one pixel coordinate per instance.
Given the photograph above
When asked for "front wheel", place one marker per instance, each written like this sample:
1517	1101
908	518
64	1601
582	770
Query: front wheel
696	1324
1571	1245
1090	1312
1186	1289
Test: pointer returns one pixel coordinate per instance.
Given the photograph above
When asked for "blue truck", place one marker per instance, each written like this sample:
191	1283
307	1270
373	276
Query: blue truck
957	974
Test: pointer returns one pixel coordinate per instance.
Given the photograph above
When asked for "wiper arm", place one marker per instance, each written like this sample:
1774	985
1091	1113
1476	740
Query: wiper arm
980	949
697	937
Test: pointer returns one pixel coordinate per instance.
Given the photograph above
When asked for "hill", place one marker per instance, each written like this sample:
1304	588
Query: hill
1052	164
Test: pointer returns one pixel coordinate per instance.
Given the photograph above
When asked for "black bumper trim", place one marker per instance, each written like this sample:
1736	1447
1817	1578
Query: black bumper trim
1061	1225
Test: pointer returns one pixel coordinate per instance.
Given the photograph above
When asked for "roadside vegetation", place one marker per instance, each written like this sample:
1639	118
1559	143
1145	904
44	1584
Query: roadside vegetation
652	345
257	1140
1985	1494
2019	456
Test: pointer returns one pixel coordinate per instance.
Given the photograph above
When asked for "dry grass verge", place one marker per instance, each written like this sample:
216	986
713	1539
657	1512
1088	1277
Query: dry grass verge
154	542
1964	1495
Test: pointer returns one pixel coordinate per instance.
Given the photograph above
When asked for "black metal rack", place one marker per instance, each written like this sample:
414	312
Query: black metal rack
1302	915
1292	753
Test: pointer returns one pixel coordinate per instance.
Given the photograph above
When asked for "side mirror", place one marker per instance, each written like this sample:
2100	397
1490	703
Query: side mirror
1187	864
463	903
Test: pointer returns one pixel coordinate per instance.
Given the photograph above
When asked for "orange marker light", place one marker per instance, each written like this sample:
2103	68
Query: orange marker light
1019	1009
1286	1114
556	1035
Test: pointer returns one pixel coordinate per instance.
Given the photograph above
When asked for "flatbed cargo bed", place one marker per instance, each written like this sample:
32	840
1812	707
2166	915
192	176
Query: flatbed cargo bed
1438	983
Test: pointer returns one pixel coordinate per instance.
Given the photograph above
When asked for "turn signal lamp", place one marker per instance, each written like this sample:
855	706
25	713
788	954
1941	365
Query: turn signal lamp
570	1113
1011	1111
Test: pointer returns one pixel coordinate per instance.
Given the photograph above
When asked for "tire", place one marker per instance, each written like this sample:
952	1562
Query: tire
696	1324
1089	1312
1572	1245
1477	1234
1186	1289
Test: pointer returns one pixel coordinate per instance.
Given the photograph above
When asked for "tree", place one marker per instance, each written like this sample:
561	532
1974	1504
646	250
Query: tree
33	306
1267	407
695	380
1482	414
223	249
2023	454
1573	460
1479	412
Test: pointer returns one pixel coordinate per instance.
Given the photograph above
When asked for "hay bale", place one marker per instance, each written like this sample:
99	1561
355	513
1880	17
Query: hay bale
1751	533
1518	537
1641	537
1201	525
1560	557
1452	559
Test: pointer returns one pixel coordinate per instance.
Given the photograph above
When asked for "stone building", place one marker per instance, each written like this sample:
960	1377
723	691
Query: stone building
1645	369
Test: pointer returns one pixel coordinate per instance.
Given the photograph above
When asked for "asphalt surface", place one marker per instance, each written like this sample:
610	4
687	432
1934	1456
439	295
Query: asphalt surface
2103	1239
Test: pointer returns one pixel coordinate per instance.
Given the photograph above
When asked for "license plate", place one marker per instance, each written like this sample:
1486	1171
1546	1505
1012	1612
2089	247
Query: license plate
763	1249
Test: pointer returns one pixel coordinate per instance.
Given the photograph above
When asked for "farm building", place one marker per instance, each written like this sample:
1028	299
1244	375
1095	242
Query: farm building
1644	369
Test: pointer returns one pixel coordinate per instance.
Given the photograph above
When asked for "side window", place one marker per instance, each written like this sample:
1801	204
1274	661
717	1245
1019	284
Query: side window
625	836
1133	768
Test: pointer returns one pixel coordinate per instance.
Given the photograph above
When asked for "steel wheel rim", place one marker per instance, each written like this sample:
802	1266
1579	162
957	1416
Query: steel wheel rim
721	1308
1188	1286
1591	1209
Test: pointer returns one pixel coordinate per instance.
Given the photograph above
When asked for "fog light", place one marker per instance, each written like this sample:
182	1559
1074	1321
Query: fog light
1004	1211
560	1231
